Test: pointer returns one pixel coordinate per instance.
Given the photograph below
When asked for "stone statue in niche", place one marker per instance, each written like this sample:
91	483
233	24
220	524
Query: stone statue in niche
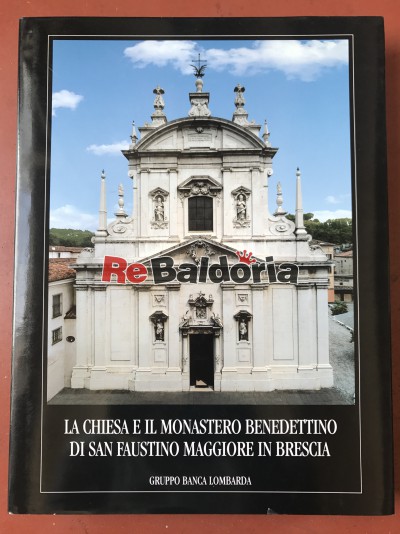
159	330
241	208
243	331
159	209
159	219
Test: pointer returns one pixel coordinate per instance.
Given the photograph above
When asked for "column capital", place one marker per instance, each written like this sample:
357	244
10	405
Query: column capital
99	287
81	288
259	287
303	286
173	286
228	286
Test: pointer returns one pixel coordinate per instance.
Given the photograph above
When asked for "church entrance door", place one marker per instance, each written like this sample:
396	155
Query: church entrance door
202	360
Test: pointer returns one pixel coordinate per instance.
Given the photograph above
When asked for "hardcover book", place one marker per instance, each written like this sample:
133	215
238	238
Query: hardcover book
201	316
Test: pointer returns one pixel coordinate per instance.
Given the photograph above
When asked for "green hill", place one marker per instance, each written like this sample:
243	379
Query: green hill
337	231
70	238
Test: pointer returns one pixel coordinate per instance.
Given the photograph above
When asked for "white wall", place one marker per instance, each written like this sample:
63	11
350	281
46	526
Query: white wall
60	356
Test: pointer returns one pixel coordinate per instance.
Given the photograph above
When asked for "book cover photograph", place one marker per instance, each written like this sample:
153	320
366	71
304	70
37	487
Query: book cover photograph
201	314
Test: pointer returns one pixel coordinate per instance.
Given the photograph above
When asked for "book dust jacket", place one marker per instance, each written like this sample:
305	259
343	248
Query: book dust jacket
201	316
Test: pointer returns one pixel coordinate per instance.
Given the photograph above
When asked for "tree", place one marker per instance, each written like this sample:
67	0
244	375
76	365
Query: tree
339	307
337	231
68	237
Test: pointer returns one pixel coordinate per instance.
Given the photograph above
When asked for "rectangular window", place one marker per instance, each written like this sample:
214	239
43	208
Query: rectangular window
57	305
200	214
56	335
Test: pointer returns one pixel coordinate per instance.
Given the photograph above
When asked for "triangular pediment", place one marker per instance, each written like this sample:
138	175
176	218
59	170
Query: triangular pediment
192	250
241	191
158	191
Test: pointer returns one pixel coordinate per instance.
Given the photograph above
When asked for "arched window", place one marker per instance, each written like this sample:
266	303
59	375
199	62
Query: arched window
200	214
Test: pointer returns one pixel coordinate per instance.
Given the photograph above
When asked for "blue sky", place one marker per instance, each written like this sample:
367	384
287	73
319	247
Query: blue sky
99	86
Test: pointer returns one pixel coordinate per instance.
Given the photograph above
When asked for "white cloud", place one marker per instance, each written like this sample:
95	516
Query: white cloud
65	99
178	54
332	200
324	215
305	60
338	199
114	148
69	216
296	59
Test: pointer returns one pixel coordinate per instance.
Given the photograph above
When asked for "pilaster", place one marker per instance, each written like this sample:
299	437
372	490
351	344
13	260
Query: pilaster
84	337
259	358
324	367
226	227
144	331
257	200
144	198
100	316
307	328
173	328
135	203
217	363
230	334
173	203
98	371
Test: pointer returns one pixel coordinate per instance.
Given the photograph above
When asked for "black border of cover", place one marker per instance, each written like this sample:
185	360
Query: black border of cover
369	164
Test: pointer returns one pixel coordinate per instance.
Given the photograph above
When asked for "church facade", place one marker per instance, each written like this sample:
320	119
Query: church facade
247	307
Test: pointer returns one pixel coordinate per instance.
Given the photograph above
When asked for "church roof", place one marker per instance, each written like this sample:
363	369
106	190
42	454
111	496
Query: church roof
199	119
347	254
62	248
59	269
322	243
251	140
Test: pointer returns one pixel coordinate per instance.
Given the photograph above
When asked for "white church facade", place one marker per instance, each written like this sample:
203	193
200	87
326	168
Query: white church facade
247	307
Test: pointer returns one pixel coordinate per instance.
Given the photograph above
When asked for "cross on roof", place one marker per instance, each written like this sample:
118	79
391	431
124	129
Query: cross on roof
199	70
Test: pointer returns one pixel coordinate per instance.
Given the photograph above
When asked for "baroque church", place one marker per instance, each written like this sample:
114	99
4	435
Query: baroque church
202	189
